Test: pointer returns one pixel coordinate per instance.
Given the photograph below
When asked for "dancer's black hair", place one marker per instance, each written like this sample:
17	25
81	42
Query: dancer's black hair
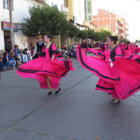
113	38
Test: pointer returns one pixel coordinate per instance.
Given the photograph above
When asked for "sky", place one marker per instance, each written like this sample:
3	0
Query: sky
128	9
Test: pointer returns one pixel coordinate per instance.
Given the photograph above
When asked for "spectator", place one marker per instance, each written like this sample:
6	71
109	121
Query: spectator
65	54
1	64
31	49
18	61
74	50
31	46
29	54
6	61
25	56
8	46
12	60
90	45
64	47
71	51
17	52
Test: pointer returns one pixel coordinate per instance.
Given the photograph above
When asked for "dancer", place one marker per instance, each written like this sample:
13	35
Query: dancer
119	76
47	70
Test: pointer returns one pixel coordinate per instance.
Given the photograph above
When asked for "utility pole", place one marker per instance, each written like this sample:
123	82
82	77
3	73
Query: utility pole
11	23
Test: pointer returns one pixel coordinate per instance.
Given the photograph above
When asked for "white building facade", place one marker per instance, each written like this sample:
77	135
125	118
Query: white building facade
20	11
82	11
74	9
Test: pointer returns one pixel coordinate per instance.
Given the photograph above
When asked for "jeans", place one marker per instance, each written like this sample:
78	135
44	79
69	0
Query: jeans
7	65
1	66
25	58
13	62
74	53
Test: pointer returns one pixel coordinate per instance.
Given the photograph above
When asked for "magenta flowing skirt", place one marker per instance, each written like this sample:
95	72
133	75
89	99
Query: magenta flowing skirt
121	80
40	68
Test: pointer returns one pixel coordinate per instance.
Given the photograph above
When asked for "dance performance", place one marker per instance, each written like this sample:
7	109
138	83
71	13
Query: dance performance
119	73
48	69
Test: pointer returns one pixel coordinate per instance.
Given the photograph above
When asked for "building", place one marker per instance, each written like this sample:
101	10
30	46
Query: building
105	20
110	21
88	15
20	11
62	5
78	11
122	28
88	10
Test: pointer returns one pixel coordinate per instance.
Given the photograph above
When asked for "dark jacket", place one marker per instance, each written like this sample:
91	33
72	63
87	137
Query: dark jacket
17	51
5	60
10	57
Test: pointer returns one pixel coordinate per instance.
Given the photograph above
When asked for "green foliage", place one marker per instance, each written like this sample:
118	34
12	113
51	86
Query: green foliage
49	20
73	30
91	34
46	20
102	34
83	34
98	36
125	40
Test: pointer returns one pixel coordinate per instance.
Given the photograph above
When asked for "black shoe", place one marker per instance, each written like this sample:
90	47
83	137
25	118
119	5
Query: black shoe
50	93
59	89
115	102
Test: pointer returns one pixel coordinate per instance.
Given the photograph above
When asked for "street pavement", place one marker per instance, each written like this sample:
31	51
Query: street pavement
78	113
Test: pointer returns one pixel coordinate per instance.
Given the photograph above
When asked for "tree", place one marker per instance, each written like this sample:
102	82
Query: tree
46	20
125	40
98	36
49	20
103	34
73	30
91	34
83	34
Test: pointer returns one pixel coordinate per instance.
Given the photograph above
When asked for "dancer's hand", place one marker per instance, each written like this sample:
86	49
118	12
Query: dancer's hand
53	56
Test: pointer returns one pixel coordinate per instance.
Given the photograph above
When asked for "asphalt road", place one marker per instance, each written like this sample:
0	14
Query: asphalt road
78	113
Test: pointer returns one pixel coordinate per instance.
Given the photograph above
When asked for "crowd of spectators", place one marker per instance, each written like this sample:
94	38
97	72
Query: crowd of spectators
12	59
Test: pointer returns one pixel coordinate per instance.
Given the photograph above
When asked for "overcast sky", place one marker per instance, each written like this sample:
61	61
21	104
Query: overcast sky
129	9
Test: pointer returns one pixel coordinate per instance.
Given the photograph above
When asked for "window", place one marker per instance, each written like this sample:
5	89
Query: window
66	3
42	1
6	4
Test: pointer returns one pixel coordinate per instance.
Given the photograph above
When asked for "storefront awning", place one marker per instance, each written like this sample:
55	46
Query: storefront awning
6	26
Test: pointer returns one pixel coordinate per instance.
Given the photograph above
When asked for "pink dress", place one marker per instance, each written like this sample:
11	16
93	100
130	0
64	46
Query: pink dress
44	66
119	76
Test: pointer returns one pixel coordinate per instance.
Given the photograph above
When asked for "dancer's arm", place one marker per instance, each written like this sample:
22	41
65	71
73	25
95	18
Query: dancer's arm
53	56
35	51
55	51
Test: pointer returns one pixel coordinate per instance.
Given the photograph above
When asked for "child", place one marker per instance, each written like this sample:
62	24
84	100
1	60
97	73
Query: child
17	52
12	60
1	64
6	60
25	56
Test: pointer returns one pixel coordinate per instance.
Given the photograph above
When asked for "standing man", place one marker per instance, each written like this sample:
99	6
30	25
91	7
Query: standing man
39	46
8	46
74	49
